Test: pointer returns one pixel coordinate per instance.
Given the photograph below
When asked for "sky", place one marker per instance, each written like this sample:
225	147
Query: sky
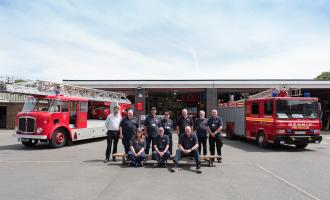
165	39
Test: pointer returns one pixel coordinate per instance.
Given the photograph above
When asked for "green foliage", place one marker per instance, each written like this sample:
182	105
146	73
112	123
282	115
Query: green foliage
19	81
323	76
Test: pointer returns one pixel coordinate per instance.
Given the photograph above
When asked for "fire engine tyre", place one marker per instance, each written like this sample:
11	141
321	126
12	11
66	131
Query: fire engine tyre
261	140
301	146
59	138
30	143
230	134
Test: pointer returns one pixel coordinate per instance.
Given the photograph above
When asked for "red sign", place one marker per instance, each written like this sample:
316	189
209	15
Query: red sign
191	98
139	106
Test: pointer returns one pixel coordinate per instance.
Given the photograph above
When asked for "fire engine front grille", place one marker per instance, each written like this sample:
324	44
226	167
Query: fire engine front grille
26	124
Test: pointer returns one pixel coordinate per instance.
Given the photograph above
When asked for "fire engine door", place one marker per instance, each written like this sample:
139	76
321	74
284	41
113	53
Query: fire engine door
254	123
267	124
73	113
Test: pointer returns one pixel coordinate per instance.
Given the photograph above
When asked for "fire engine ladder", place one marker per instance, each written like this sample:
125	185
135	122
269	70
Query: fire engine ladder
263	94
51	88
291	92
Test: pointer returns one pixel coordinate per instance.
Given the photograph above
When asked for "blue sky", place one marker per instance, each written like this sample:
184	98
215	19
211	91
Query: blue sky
149	39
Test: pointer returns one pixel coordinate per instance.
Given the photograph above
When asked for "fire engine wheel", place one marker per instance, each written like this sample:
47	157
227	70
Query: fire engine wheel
301	146
30	143
59	138
261	140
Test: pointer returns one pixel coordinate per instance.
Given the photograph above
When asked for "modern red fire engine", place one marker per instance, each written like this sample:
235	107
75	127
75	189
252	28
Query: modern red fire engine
274	117
60	114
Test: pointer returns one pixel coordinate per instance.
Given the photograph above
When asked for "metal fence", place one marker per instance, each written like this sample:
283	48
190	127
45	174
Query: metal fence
12	97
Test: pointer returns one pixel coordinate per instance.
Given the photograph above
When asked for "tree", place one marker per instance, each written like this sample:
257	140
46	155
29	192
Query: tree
323	76
19	81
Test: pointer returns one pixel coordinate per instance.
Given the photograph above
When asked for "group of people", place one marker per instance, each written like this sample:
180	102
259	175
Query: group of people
157	134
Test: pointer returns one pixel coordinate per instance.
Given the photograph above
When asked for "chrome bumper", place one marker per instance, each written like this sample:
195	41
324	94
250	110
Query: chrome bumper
36	137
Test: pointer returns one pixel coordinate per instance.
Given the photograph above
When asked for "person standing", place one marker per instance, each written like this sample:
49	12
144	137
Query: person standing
112	124
161	146
167	124
137	146
127	128
183	121
151	123
214	128
201	125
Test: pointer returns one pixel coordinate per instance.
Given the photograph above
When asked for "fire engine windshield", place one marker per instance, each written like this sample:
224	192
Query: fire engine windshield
33	104
288	109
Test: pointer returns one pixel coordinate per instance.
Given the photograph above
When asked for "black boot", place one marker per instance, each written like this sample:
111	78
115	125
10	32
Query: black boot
198	167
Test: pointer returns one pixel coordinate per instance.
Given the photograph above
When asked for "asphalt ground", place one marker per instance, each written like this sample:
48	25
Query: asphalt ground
247	172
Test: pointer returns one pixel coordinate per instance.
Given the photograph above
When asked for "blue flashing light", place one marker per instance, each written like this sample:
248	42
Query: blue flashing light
274	94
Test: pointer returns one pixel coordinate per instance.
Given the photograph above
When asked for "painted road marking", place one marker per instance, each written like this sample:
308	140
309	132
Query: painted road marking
287	182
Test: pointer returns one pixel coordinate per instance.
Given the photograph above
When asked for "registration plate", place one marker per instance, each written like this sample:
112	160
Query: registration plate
25	139
300	132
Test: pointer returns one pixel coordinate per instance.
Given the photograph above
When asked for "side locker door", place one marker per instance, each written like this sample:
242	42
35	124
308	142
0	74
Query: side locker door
82	111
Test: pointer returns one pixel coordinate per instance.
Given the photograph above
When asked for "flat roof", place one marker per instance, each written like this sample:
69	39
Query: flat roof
202	83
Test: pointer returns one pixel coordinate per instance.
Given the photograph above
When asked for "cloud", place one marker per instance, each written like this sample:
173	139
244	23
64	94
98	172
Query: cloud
162	40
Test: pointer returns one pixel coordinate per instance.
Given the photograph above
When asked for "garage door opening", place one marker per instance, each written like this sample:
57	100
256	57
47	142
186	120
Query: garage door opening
3	116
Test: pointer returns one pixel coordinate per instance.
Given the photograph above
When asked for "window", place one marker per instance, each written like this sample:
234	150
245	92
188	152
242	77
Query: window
55	106
268	108
255	108
290	109
65	106
83	107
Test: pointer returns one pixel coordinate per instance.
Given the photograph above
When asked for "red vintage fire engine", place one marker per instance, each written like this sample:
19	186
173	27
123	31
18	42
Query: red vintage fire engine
274	117
60	114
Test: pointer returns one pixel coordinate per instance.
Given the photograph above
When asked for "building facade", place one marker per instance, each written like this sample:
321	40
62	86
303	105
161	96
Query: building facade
195	95
174	95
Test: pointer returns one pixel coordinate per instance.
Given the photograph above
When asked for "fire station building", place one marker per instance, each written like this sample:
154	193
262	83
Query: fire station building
195	95
174	95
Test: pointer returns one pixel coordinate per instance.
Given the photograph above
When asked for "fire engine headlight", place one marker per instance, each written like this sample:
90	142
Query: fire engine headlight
39	130
280	131
315	131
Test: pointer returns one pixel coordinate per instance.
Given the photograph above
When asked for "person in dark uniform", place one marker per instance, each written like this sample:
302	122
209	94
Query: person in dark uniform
127	129
167	124
151	123
184	121
201	124
137	146
214	128
161	146
188	147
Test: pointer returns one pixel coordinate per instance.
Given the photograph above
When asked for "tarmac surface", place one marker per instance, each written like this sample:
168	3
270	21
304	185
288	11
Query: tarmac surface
247	172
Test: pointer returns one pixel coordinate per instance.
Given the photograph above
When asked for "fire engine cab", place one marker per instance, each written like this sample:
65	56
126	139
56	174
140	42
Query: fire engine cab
274	117
60	114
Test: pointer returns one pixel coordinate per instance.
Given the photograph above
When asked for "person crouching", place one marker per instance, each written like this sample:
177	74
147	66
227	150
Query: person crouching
137	147
188	147
161	146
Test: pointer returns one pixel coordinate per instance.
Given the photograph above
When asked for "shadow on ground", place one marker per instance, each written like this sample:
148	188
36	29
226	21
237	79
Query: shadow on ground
251	146
44	146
